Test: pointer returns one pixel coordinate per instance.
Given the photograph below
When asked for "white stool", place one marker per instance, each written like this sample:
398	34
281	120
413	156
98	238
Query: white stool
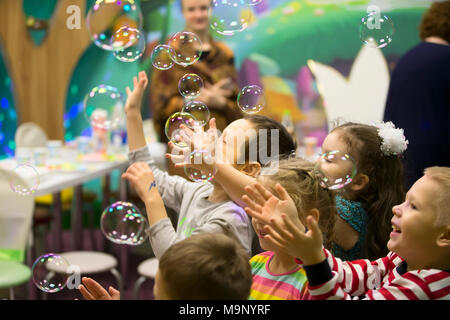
92	262
147	270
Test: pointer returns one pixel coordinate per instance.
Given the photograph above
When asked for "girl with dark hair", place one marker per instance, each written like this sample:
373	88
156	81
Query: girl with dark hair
364	206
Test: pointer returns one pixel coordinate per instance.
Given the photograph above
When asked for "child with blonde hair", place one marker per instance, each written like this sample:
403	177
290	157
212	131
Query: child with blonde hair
416	268
275	273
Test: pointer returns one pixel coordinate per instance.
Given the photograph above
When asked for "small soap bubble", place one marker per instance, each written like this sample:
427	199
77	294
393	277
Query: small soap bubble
376	30
24	179
106	17
200	168
173	130
187	48
336	169
49	272
122	223
104	107
251	99
161	57
135	48
199	111
190	85
228	17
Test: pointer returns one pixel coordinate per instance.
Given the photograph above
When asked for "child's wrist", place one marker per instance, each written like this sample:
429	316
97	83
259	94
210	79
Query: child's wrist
314	259
133	113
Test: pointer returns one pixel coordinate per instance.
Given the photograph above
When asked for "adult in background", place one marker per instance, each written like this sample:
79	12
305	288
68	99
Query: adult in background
419	95
215	67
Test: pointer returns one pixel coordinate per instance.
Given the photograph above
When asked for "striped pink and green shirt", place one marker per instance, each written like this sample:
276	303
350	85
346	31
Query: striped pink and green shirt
266	285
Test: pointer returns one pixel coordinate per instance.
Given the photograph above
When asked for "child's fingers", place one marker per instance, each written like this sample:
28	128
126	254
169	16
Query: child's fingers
127	89
291	227
249	202
269	238
279	227
273	232
266	194
254	194
135	82
85	293
282	192
95	288
313	227
113	292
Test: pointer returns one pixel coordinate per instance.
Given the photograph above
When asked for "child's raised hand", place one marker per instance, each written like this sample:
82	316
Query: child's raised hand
196	139
92	290
291	238
264	206
141	178
134	98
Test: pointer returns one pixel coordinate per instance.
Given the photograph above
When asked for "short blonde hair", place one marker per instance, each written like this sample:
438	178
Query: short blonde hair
441	175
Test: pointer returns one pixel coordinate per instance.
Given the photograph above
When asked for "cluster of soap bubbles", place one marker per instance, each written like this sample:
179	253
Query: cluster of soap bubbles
183	48
114	25
123	223
376	29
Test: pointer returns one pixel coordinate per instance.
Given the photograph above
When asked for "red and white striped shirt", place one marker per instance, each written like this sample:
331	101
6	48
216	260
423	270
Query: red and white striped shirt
383	279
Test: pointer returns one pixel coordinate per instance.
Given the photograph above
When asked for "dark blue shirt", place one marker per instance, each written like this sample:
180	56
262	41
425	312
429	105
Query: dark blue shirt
419	102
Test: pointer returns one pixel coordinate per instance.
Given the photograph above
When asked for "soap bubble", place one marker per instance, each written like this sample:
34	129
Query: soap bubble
227	17
161	57
187	48
190	85
50	272
136	44
376	30
253	2
172	128
199	111
122	223
251	99
337	169
200	168
24	180
106	17
104	107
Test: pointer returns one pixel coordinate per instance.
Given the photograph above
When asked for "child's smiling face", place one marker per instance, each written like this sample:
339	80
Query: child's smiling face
414	236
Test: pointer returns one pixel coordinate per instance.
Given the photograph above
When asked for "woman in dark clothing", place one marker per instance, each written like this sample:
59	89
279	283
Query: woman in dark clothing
419	95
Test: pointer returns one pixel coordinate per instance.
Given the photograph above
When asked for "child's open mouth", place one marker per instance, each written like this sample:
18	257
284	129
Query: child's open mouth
395	230
261	233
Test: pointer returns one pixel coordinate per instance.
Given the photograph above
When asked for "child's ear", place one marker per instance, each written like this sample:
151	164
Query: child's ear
359	182
315	213
251	169
444	238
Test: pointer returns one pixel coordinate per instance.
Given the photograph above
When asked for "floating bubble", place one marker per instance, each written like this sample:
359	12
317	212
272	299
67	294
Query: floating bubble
253	2
50	272
200	168
251	99
228	17
104	107
24	179
376	30
106	17
187	48
172	128
337	169
161	57
136	46
199	111
190	85
122	223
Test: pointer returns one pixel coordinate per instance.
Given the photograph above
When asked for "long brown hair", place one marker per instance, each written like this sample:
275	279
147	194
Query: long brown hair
302	183
385	187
